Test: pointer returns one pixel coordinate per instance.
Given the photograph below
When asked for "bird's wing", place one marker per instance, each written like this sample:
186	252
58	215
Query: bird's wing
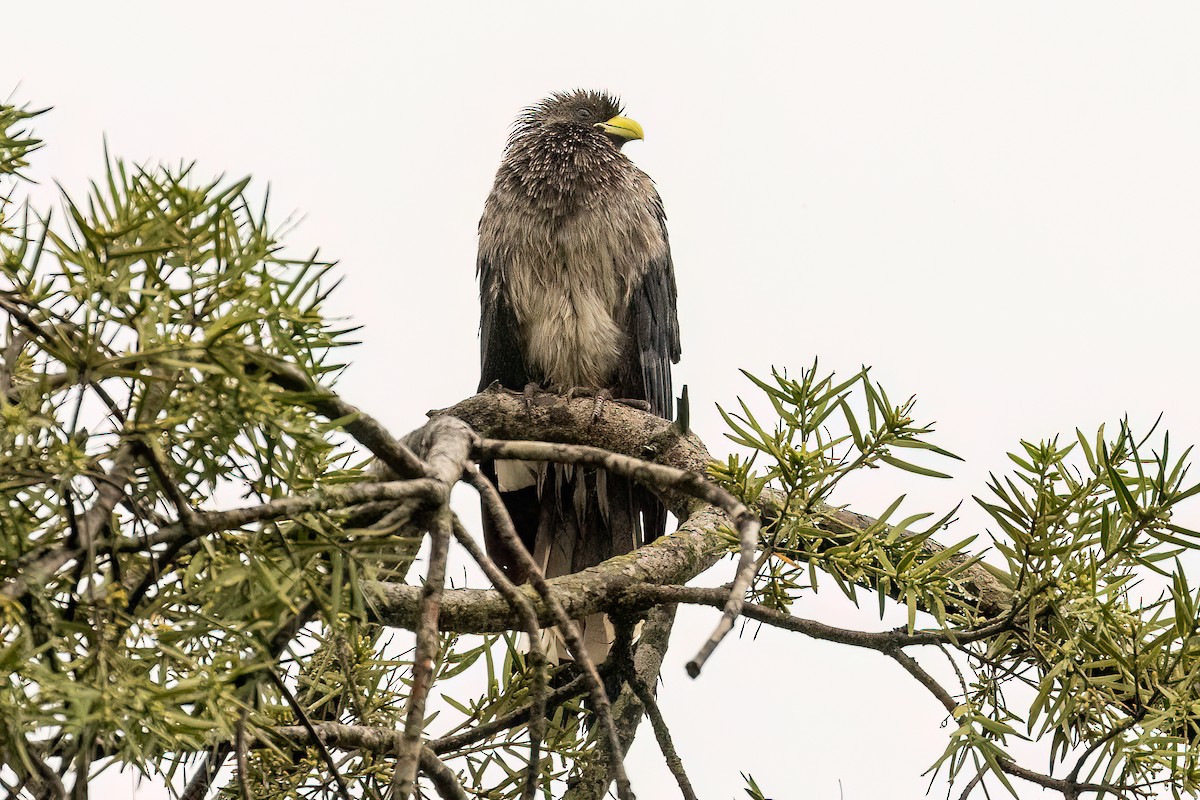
653	346
501	355
654	325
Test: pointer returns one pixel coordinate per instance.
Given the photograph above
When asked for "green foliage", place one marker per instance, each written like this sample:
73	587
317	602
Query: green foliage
752	789
1113	661
1085	656
496	764
15	141
134	339
136	392
138	340
799	457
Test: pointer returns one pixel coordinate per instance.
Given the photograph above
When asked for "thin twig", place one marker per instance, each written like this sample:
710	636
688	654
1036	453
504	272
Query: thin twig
178	537
1070	788
365	429
448	744
647	593
369	739
197	787
662	732
736	600
971	784
924	678
408	753
384	740
243	768
887	642
302	715
537	651
326	498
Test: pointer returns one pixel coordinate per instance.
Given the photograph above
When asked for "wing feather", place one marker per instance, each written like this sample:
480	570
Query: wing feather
501	354
654	329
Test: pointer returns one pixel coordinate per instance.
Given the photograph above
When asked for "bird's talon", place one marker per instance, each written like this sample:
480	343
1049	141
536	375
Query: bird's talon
598	406
530	390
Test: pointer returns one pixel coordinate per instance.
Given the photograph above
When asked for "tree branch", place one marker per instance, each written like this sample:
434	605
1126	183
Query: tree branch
660	478
645	695
601	706
538	662
594	778
687	552
623	430
408	751
365	429
376	740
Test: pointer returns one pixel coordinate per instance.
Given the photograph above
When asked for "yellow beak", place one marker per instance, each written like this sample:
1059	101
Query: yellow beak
622	127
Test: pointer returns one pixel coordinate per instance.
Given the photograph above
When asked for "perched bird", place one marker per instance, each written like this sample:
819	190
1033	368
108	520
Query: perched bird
577	294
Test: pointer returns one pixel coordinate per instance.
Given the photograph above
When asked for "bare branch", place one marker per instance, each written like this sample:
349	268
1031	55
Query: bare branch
365	429
376	740
657	476
324	499
602	708
384	741
882	641
629	432
687	552
662	732
444	779
408	752
537	651
594	778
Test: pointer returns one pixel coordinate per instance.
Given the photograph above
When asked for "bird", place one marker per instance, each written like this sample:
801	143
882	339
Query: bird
577	296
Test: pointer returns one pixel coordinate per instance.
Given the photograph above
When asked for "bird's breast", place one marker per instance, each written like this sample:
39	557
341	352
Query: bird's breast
571	252
569	283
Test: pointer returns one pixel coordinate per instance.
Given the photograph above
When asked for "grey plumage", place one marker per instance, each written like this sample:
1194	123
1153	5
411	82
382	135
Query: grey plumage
577	290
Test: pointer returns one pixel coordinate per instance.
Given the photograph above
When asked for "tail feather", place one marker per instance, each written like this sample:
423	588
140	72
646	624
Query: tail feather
575	518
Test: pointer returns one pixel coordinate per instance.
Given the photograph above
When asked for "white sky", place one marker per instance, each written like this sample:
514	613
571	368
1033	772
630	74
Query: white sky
995	205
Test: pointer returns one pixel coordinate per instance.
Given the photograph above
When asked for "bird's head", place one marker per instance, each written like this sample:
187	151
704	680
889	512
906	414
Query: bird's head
583	111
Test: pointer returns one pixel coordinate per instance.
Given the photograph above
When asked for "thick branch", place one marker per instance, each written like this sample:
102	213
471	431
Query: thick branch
677	558
501	415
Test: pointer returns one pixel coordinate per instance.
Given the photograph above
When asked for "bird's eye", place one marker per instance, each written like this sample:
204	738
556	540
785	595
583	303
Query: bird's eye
583	114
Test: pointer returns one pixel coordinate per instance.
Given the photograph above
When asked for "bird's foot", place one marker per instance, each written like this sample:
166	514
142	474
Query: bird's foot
527	394
603	396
